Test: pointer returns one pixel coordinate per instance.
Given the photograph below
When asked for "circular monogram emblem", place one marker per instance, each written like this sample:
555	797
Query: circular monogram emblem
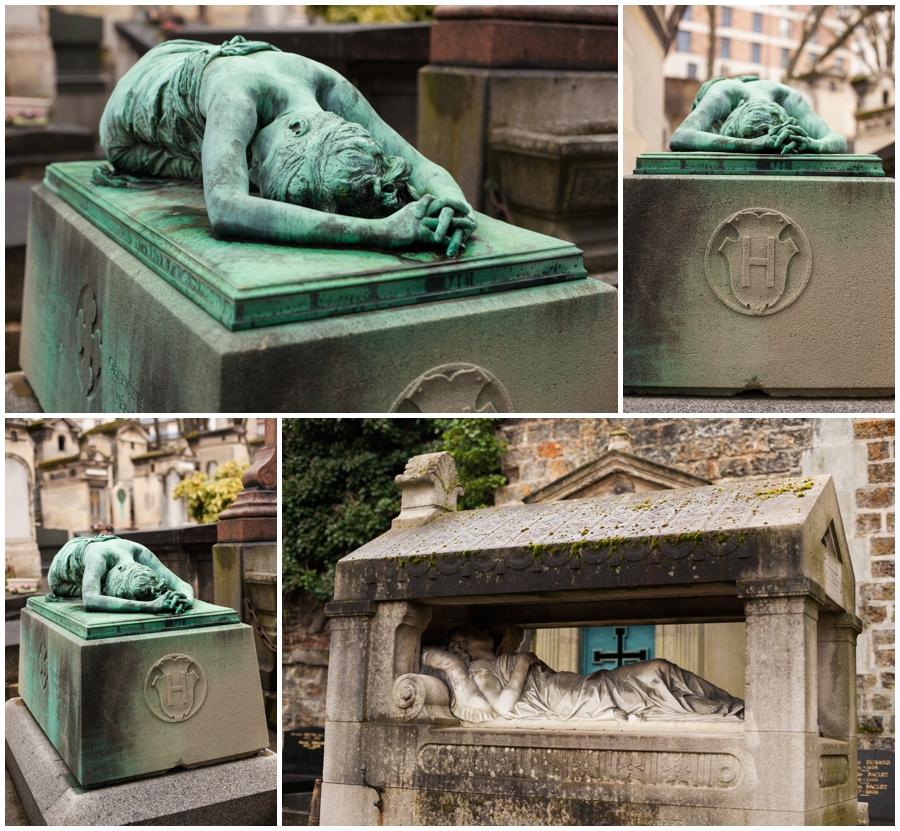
87	333
758	261
175	688
454	388
45	672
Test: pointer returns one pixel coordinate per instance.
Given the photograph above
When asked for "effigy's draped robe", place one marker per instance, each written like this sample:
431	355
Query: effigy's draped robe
656	689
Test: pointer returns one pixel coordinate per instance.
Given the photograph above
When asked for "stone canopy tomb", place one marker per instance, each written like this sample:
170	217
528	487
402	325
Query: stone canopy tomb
399	749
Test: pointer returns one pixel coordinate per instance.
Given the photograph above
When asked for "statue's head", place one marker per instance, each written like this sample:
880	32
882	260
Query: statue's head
470	643
323	162
751	119
134	581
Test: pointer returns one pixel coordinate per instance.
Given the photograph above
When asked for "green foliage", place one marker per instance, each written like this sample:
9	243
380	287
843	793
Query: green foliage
206	498
372	14
338	488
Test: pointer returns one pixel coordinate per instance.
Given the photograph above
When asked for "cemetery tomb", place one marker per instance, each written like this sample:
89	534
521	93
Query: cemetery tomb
400	750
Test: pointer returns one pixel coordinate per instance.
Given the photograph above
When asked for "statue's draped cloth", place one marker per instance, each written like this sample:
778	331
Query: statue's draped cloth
153	125
656	689
67	569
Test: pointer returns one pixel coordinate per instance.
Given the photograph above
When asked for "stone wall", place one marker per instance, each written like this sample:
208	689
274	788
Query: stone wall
304	662
859	453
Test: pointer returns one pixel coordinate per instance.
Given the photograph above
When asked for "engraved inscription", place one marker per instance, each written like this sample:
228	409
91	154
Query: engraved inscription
758	261
175	688
833	770
454	388
693	770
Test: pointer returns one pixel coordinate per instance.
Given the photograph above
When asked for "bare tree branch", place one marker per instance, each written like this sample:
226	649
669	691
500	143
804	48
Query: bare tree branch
672	24
865	12
810	26
711	52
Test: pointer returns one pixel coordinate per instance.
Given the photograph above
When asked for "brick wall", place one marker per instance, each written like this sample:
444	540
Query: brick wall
874	522
728	449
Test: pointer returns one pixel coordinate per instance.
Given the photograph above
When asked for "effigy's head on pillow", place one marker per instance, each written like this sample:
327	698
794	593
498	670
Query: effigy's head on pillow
751	119
324	162
134	581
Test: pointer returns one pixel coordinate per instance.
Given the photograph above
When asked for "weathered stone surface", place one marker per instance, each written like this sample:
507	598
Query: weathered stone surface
694	322
241	792
761	164
122	707
122	359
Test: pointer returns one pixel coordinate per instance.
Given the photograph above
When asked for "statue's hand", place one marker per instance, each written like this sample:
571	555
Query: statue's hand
792	138
442	220
172	602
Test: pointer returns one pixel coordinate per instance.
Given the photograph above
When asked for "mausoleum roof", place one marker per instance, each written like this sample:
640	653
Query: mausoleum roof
714	536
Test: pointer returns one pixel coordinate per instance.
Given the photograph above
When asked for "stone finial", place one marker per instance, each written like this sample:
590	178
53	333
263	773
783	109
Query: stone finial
620	439
429	487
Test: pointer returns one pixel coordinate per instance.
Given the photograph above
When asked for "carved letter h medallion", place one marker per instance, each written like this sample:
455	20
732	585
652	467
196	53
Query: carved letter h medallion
762	275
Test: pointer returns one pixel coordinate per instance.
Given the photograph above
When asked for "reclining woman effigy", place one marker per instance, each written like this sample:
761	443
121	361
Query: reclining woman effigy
115	575
330	171
485	686
748	115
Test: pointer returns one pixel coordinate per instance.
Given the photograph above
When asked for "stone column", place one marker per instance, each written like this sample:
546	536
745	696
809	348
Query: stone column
782	691
245	562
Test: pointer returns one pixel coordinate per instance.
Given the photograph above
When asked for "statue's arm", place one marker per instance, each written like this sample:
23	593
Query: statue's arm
693	134
235	214
504	698
822	139
464	688
146	557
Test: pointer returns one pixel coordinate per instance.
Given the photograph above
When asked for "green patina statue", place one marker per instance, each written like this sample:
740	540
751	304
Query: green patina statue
114	575
748	115
330	171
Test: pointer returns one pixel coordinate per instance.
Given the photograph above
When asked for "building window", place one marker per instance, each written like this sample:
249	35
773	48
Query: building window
687	13
261	425
885	97
785	27
814	37
726	15
683	42
755	53
61	441
725	48
14	436
692	70
785	58
838	63
73	473
95	505
757	22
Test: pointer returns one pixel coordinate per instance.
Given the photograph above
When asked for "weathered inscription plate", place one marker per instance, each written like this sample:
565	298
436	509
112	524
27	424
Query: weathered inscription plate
876	784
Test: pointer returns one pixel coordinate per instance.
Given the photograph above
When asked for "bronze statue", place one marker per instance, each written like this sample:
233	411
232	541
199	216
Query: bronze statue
485	686
330	171
114	575
749	115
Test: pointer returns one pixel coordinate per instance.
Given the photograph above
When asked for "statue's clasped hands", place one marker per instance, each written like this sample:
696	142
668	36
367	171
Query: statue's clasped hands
173	602
442	220
790	138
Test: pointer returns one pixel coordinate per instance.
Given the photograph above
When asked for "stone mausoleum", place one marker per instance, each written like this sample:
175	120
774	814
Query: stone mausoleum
771	553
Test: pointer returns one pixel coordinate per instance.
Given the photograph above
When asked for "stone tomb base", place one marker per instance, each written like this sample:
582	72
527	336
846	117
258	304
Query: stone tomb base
775	282
103	331
241	792
120	705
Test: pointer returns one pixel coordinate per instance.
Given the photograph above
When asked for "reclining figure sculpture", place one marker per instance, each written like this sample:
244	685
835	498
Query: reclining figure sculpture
749	115
515	686
330	171
115	575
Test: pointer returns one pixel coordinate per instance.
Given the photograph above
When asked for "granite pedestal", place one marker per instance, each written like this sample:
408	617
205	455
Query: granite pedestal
758	273
240	793
131	304
124	696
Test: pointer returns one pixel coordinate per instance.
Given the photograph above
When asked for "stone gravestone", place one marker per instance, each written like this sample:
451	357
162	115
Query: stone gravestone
766	270
399	749
109	699
137	300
